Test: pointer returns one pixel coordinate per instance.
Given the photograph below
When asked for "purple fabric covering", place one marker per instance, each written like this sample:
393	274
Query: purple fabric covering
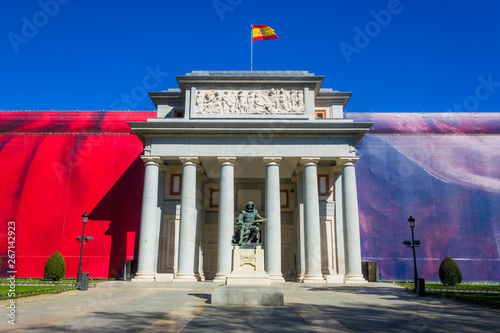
444	170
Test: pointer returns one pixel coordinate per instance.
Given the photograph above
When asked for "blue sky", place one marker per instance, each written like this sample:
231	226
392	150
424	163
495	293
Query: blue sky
406	56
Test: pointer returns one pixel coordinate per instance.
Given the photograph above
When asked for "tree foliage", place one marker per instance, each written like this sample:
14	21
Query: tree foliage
55	268
449	272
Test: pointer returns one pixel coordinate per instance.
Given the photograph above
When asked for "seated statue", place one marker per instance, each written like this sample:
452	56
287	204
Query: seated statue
248	223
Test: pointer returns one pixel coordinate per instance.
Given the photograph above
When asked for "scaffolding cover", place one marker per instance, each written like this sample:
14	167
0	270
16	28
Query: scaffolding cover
444	170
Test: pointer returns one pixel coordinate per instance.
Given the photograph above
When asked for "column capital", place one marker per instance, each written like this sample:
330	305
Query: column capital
189	159
341	161
152	159
308	160
227	159
271	159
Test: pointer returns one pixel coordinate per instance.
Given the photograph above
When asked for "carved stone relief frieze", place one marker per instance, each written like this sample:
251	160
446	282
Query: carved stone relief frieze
257	101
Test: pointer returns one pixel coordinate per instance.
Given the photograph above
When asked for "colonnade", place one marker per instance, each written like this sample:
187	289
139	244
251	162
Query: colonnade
310	232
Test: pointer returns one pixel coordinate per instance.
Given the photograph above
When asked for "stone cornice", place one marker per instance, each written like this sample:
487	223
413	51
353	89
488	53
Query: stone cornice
333	97
247	128
169	96
250	78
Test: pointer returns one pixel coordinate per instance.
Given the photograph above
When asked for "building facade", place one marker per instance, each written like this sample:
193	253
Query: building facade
225	138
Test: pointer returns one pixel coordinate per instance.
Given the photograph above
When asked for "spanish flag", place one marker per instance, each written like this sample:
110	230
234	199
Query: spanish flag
262	32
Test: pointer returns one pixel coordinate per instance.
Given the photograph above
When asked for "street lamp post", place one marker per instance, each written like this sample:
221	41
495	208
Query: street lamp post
83	240
413	244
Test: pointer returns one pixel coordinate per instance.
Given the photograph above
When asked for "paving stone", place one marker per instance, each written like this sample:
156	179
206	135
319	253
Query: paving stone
168	307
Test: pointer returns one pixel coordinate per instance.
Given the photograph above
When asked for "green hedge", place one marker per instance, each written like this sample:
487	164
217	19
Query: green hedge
449	272
55	268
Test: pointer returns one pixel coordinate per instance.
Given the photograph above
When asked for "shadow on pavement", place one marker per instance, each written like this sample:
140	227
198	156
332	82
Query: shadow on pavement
227	318
208	297
103	321
388	309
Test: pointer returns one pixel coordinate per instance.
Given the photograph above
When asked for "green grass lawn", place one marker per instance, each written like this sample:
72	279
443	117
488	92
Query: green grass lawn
43	287
463	292
471	287
21	281
24	291
484	297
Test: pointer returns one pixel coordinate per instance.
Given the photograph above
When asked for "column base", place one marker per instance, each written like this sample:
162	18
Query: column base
144	277
164	277
185	277
301	277
334	279
314	278
220	278
354	279
277	278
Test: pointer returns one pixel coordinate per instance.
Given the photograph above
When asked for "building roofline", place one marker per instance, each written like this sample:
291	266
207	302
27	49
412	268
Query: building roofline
256	78
261	128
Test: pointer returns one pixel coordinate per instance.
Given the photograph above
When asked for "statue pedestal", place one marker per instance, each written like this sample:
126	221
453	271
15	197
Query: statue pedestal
240	295
248	283
248	267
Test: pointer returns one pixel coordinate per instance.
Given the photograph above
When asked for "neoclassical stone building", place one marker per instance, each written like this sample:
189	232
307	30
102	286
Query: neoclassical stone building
228	137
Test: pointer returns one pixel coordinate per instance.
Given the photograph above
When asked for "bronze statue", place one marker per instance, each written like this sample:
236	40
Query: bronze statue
248	223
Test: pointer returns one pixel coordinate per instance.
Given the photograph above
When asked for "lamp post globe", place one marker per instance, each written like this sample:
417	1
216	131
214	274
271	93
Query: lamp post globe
411	222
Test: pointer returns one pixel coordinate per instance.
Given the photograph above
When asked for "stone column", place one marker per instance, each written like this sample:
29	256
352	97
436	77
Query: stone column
200	213
148	252
300	224
312	228
226	218
339	222
272	251
351	217
187	233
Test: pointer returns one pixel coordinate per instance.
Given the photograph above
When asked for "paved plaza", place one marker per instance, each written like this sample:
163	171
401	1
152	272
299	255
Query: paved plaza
177	307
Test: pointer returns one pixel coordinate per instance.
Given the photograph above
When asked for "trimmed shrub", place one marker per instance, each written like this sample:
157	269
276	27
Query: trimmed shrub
449	272
55	268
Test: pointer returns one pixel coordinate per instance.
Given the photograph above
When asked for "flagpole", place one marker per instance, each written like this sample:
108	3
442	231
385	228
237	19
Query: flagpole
251	47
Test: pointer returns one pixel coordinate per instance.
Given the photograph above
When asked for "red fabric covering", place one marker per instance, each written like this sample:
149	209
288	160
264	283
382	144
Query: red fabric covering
57	164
